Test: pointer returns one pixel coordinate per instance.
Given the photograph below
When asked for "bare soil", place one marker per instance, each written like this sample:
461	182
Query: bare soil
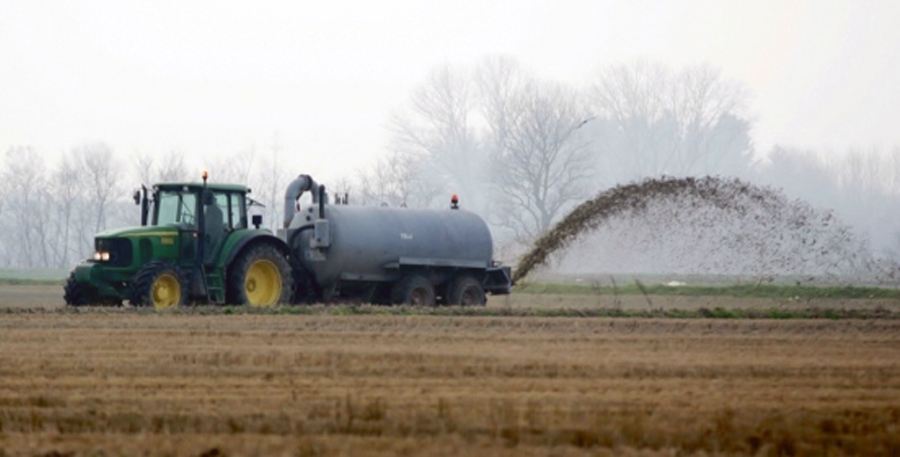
31	296
116	382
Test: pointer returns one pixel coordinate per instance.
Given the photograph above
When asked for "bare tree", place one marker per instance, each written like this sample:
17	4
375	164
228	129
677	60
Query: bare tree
270	182
171	168
99	172
398	180
144	168
493	129
541	162
26	200
656	122
436	134
501	81
66	189
232	168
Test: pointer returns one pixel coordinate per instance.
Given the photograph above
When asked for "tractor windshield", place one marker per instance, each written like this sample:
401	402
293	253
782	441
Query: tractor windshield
175	207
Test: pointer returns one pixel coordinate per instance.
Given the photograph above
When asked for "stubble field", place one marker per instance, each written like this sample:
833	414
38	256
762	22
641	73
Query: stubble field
121	382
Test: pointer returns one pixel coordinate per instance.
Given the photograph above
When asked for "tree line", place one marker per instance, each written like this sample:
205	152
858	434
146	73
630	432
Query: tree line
520	150
49	214
526	150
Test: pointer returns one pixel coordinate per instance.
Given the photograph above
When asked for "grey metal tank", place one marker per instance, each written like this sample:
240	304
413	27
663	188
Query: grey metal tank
356	243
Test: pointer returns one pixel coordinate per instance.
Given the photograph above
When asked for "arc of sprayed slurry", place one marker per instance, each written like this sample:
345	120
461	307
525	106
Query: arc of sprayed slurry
718	192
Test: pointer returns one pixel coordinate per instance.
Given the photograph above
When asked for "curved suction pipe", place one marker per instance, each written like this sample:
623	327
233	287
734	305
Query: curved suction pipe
296	188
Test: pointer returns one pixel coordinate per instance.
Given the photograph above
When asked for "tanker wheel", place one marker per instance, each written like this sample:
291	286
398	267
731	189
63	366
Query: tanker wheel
466	291
261	277
158	284
413	290
305	291
78	294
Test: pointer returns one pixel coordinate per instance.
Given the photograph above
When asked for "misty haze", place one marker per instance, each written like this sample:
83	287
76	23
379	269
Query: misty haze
523	133
521	150
488	228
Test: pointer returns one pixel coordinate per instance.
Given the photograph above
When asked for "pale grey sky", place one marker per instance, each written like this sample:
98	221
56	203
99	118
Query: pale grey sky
211	77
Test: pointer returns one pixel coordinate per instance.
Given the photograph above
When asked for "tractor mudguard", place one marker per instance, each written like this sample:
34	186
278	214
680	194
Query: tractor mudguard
238	240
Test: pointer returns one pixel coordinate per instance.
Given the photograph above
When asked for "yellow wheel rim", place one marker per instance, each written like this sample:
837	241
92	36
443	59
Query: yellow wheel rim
263	283
166	292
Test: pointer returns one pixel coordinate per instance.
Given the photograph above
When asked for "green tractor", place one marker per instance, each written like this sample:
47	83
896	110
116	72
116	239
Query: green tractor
194	246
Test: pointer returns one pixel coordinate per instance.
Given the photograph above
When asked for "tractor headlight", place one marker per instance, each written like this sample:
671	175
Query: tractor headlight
101	256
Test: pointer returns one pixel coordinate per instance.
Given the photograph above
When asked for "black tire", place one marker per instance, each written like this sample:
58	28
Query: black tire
305	291
466	291
261	276
78	294
158	284
413	290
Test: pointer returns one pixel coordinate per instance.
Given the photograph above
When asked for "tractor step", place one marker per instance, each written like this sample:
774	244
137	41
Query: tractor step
215	288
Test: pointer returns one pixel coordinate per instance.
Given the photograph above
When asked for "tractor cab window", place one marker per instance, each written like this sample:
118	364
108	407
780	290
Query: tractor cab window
175	207
216	214
229	206
220	221
237	211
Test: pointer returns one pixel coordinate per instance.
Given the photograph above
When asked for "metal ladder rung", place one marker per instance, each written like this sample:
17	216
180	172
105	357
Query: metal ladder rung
215	289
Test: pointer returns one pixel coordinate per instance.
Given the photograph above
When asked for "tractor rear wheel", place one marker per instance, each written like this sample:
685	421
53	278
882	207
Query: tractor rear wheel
466	291
413	290
261	276
78	294
158	284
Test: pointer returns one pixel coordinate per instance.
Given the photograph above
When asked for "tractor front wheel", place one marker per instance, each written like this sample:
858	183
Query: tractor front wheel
158	284
78	294
261	276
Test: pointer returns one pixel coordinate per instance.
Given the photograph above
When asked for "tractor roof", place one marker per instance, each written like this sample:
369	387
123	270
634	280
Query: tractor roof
199	185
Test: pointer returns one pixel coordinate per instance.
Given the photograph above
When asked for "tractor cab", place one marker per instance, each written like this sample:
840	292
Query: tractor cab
208	212
191	235
195	212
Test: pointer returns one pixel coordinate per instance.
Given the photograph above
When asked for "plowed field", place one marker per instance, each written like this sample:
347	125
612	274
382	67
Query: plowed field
126	383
